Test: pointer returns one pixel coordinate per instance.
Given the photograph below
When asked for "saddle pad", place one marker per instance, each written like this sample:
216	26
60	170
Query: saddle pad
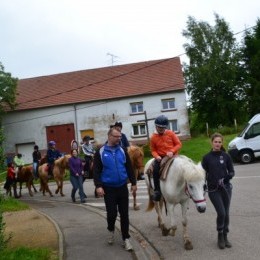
164	167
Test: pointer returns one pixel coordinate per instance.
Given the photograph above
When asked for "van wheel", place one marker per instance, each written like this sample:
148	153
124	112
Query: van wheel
246	156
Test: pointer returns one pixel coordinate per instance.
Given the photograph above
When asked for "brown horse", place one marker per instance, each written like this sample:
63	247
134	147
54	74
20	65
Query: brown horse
59	172
136	155
25	174
60	165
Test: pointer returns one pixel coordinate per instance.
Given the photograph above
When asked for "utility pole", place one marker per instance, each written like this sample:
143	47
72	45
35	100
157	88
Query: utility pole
113	57
146	124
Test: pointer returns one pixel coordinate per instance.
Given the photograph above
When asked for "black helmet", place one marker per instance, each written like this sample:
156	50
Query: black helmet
161	121
36	147
86	138
119	124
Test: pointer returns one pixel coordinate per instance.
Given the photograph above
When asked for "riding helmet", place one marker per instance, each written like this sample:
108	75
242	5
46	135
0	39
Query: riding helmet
86	138
161	121
36	147
52	143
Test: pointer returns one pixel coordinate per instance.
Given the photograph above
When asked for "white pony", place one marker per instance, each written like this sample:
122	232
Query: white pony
185	180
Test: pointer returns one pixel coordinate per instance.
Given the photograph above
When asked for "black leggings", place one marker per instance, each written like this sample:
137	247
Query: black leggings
117	199
221	201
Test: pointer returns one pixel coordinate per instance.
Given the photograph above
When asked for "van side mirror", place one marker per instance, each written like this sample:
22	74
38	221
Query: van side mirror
247	136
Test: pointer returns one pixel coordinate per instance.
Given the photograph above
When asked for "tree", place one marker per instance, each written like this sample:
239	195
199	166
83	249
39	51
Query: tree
213	75
251	51
8	86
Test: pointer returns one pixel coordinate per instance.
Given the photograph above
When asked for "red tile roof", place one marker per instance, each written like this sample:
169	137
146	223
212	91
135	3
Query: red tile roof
106	83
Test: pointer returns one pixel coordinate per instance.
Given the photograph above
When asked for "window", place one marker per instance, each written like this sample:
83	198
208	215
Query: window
173	125
168	104
139	130
137	107
254	130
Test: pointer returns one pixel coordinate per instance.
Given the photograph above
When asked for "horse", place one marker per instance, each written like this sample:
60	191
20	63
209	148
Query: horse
185	180
60	165
25	174
136	155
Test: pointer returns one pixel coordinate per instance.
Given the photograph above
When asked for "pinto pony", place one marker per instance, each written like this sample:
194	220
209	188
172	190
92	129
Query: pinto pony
136	155
25	174
184	180
60	165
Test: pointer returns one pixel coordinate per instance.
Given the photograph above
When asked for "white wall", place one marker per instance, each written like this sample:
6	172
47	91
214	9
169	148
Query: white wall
30	126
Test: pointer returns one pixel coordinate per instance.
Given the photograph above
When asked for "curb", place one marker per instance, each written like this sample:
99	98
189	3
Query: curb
60	235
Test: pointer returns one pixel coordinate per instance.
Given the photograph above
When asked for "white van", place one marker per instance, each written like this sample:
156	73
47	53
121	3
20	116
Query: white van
246	146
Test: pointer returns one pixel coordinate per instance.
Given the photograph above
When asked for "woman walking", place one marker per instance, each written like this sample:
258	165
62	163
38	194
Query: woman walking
76	176
219	171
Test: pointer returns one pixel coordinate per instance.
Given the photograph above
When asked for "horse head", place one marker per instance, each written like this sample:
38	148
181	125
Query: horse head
136	155
195	185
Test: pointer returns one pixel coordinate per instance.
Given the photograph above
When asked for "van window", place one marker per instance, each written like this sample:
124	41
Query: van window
254	130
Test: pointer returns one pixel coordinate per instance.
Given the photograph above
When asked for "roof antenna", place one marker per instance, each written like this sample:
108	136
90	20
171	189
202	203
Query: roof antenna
113	57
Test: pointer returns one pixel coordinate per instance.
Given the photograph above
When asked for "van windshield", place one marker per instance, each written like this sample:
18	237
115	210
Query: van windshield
243	131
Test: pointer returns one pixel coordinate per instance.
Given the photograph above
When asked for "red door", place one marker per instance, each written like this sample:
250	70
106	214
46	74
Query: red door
62	135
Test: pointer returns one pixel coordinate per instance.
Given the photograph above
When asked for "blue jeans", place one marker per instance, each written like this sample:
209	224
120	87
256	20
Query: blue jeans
35	170
77	184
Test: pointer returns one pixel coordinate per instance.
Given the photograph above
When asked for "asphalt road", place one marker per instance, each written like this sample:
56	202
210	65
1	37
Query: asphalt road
244	222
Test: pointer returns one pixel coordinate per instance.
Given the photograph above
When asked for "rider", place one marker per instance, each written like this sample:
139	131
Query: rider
52	155
88	151
164	142
36	161
18	163
124	141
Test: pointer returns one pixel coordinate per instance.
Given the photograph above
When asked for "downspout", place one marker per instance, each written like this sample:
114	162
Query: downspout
76	123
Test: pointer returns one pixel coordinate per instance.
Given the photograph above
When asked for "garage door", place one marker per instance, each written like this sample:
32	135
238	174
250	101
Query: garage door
26	150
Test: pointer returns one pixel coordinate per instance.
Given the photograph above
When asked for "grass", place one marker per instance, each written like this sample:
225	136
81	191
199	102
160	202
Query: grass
27	254
10	204
196	148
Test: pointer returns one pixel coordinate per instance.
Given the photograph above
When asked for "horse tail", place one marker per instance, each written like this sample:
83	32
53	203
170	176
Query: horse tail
150	205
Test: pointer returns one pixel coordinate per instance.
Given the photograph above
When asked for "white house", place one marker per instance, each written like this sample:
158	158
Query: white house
67	106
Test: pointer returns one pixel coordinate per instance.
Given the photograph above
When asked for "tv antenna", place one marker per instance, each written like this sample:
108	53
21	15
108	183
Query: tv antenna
113	57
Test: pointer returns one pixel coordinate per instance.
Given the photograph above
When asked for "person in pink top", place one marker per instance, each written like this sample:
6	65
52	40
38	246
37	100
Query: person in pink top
164	142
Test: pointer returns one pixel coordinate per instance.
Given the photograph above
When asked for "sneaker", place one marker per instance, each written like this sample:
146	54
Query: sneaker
156	196
127	245
111	237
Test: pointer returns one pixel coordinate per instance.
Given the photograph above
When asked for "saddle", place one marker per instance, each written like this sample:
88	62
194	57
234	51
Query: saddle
164	166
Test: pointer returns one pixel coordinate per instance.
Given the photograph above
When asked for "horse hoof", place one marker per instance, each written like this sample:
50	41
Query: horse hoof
62	195
188	245
51	195
56	192
136	207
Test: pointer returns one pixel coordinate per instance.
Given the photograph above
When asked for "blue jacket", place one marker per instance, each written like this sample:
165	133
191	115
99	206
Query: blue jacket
112	167
53	155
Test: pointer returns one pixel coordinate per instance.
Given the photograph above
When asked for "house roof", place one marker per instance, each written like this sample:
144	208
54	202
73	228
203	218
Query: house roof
99	84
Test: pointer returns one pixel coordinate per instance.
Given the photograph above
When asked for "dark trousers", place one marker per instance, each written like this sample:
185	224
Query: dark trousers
221	201
117	199
156	176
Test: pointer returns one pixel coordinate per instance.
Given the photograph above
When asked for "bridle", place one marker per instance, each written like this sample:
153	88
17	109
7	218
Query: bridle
189	195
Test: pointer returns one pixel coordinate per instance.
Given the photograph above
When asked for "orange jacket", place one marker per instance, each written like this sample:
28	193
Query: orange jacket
167	142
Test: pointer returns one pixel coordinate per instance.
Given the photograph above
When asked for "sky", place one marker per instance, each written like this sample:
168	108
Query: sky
45	37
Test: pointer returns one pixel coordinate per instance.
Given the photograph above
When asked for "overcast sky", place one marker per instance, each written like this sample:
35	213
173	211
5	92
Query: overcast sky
43	37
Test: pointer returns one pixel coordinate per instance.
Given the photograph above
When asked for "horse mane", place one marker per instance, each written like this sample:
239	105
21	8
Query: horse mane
63	161
192	172
135	153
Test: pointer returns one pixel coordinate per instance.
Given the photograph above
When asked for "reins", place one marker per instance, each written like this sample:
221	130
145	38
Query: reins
189	195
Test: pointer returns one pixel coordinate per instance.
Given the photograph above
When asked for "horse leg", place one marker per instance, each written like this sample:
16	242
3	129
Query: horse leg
187	241
20	192
61	188
172	219
158	209
136	207
29	186
48	189
58	186
35	190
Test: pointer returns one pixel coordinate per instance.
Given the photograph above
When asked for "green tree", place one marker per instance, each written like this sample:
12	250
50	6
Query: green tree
8	86
213	75
251	51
